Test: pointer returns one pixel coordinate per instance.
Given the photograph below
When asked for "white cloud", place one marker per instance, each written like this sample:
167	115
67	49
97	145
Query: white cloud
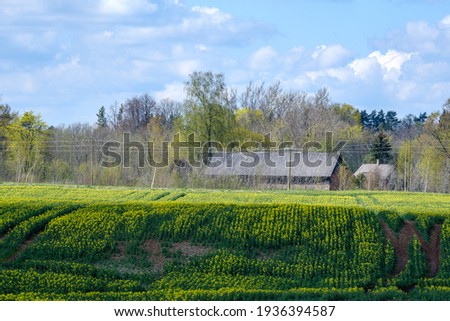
420	36
423	36
391	62
63	68
445	23
203	25
184	68
202	47
174	91
431	70
212	15
262	59
294	55
178	3
327	56
203	17
421	30
365	68
126	7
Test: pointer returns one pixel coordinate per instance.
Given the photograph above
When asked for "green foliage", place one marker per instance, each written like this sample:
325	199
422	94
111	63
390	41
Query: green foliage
17	235
27	137
209	109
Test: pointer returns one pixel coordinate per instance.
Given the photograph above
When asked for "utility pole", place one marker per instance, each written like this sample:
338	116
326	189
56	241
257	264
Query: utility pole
405	178
410	164
290	169
92	161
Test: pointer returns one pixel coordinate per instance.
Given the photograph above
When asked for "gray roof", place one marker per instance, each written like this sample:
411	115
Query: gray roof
383	170
274	164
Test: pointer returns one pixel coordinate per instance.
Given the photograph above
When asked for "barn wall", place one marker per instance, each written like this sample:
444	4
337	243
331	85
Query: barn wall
334	179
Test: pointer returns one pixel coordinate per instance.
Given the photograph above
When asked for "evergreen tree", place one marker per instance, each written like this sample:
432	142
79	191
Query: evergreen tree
364	117
372	123
381	149
421	119
391	120
101	118
380	121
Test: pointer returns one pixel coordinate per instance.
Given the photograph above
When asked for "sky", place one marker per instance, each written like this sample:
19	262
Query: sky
66	59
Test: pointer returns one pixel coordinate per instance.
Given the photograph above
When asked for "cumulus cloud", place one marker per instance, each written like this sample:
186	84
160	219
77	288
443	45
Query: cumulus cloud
387	79
365	68
419	36
262	59
391	62
327	56
211	15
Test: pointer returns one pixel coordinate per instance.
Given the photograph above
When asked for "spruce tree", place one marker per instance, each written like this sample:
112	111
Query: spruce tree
381	149
101	118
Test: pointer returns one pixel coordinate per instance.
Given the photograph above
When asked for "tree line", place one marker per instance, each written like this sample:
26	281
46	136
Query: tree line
33	151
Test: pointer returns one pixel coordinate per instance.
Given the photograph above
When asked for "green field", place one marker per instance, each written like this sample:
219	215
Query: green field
87	243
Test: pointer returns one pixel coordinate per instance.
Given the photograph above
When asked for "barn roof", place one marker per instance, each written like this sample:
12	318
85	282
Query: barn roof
383	170
273	164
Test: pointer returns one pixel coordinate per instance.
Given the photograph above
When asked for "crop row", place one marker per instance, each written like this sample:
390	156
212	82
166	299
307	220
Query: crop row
85	234
417	203
17	235
18	281
14	212
327	246
230	294
256	250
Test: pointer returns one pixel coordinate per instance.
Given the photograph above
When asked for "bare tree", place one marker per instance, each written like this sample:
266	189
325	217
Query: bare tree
169	110
137	112
115	115
267	100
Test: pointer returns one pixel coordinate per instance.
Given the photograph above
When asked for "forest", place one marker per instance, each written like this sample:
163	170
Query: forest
32	151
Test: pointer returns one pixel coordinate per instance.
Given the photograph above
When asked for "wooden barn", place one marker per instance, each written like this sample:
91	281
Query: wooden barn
312	170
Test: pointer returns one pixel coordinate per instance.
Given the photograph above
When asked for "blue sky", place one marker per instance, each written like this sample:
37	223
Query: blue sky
64	60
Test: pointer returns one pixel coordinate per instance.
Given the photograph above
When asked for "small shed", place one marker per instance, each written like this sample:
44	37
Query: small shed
307	170
376	175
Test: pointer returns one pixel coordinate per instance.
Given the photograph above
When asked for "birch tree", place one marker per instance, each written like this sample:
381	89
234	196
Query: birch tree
27	139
